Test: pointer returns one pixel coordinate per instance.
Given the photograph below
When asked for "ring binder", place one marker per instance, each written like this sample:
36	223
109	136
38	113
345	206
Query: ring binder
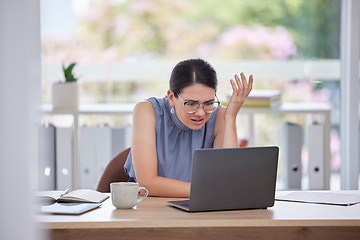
292	144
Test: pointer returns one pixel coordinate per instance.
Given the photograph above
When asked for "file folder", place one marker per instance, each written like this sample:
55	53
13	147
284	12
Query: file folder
87	157
120	139
103	151
47	174
316	149
117	141
64	158
95	154
291	155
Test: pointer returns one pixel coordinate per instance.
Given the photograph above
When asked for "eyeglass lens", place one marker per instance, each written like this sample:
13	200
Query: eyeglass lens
192	107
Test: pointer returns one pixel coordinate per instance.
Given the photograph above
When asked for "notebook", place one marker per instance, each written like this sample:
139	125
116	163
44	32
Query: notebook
232	179
69	208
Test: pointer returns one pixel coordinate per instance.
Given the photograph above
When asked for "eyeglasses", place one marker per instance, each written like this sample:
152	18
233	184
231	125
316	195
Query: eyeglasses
193	107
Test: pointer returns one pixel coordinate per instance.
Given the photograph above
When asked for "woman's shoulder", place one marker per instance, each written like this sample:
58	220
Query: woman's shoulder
158	105
143	106
143	109
143	113
150	106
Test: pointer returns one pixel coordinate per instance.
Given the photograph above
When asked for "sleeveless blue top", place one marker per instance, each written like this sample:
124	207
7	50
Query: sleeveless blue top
175	142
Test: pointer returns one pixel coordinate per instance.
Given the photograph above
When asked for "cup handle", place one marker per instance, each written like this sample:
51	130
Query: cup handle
145	195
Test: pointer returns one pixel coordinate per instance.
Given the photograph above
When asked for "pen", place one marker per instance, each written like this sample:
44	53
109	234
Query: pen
64	192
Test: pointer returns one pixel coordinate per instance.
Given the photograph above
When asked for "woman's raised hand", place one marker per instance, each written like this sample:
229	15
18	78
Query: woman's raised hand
241	89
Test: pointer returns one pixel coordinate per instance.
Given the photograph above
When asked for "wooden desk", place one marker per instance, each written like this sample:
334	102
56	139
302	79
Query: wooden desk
154	219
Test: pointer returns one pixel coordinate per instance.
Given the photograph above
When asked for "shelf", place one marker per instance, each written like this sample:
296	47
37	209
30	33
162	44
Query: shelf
103	108
321	109
291	108
127	108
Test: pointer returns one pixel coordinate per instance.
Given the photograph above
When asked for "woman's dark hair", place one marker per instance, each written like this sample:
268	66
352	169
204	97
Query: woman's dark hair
190	72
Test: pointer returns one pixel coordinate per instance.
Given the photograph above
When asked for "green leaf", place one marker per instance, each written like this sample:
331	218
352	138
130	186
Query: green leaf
69	77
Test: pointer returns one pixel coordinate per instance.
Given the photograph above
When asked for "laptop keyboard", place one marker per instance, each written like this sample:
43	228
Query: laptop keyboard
184	203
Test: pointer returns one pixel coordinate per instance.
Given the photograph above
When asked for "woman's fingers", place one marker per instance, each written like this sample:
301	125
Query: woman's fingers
239	83
251	80
233	85
241	86
243	79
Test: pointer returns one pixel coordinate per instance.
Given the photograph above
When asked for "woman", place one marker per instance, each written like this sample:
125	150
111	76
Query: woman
166	131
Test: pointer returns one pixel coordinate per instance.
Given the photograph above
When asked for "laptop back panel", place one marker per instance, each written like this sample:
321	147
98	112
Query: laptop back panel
238	178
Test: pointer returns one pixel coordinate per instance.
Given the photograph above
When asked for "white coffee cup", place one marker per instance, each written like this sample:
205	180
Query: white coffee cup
125	195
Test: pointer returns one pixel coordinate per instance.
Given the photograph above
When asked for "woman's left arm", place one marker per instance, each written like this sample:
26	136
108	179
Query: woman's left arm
225	128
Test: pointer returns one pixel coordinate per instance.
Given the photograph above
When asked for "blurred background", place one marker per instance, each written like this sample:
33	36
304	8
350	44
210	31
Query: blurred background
126	49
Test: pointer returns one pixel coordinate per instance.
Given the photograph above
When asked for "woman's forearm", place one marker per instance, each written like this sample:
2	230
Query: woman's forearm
166	187
241	89
230	134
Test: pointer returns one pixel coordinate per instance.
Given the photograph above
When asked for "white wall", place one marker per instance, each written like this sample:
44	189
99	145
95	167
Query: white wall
20	97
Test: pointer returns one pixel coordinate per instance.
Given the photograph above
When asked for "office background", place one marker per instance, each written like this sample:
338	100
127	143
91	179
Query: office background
21	100
294	47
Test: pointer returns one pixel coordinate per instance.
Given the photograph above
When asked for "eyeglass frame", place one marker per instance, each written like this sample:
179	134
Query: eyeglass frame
202	105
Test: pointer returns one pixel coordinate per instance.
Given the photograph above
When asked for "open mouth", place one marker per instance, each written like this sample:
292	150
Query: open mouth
197	121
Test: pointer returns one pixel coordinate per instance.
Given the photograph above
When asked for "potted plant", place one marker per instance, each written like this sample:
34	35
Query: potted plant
65	94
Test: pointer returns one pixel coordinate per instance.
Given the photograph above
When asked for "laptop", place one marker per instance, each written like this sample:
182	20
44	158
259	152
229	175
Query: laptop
232	179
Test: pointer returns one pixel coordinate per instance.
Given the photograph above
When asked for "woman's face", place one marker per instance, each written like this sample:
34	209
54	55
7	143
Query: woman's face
195	93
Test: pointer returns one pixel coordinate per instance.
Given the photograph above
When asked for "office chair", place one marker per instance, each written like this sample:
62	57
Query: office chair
114	172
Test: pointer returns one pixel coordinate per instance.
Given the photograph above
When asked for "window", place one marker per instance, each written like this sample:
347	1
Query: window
127	49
